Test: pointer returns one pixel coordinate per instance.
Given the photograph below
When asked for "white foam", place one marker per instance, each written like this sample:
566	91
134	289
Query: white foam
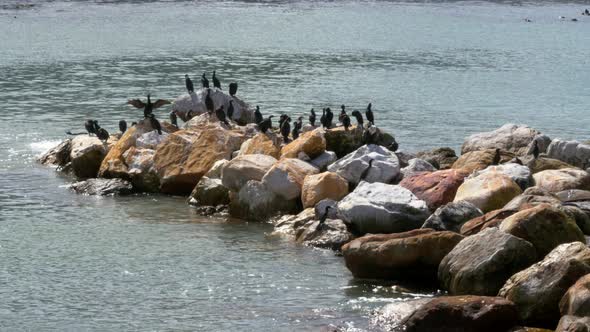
41	147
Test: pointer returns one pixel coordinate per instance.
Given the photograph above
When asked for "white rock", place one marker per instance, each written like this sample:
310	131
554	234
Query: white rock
244	168
324	160
518	173
286	177
571	152
385	165
215	170
415	166
150	140
509	137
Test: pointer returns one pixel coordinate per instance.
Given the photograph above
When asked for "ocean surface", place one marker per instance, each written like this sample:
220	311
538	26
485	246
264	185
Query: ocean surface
435	72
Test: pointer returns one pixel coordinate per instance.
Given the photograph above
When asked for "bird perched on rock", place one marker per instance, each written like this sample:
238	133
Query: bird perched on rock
189	84
323	118
324	217
369	114
230	110
266	124
359	118
155	124
282	119
209	102
297	128
221	115
312	117
345	119
366	171
174	119
149	106
497	157
257	115
342	112
329	118
204	81
286	129
371	135
535	149
90	127
216	83
101	133
122	126
233	88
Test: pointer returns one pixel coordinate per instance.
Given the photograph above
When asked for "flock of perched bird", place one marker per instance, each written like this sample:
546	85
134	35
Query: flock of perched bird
326	120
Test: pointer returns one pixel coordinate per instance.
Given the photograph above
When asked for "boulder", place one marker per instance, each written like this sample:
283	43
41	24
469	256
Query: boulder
343	142
573	195
543	163
490	219
479	160
544	226
288	225
332	234
244	168
140	170
186	156
391	316
257	203
537	290
215	170
518	173
562	179
382	208
576	300
261	144
311	143
442	158
488	191
321	186
324	160
452	216
86	155
151	140
416	166
102	187
481	263
209	192
404	157
408	255
581	216
510	137
285	177
385	166
573	324
463	313
436	188
527	201
58	155
571	152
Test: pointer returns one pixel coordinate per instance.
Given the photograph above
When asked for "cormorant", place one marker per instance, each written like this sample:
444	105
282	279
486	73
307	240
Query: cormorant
133	123
149	106
324	217
89	125
286	129
370	136
366	171
369	114
123	126
204	81
312	118
221	115
174	119
265	124
282	119
233	88
346	121
323	118
257	115
155	124
216	83
230	110
536	150
359	118
329	117
497	157
342	113
189	84
209	102
101	133
297	128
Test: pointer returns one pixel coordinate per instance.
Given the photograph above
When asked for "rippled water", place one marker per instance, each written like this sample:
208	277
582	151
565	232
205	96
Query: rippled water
435	72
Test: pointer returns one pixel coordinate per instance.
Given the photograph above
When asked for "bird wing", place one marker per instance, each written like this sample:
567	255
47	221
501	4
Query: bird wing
161	102
136	103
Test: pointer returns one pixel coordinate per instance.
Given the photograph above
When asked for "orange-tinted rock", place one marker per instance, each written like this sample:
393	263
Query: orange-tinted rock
321	186
488	191
436	188
577	299
490	219
261	144
478	160
562	179
311	143
113	165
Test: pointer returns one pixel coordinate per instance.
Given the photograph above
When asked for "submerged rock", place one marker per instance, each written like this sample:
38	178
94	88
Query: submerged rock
481	263
463	313
382	208
102	187
516	139
537	290
436	188
209	192
488	191
452	216
408	255
332	234
442	158
385	166
58	155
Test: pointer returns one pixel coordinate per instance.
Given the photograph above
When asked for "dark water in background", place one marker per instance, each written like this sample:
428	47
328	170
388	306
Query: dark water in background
435	72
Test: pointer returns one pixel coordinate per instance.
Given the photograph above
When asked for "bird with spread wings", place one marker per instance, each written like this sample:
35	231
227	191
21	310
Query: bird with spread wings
149	106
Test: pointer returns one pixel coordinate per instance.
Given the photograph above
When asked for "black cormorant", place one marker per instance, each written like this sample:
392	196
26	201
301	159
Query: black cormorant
359	118
123	126
497	157
149	106
312	117
216	83
189	84
221	115
233	88
297	127
257	115
204	81
536	150
155	124
209	102
266	124
329	118
286	129
230	110
369	114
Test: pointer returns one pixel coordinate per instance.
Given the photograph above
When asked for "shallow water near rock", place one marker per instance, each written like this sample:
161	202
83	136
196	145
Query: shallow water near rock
435	72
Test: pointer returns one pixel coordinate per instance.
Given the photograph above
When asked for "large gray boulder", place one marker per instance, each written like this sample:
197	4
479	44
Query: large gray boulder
510	137
102	187
209	192
285	178
382	208
332	234
254	201
191	105
238	171
86	155
416	166
571	152
324	160
481	263
518	173
537	290
385	167
452	216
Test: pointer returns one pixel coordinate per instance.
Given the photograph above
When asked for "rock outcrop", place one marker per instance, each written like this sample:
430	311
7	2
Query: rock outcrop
518	173
480	160
86	155
261	144
416	166
254	201
58	155
490	219
209	192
